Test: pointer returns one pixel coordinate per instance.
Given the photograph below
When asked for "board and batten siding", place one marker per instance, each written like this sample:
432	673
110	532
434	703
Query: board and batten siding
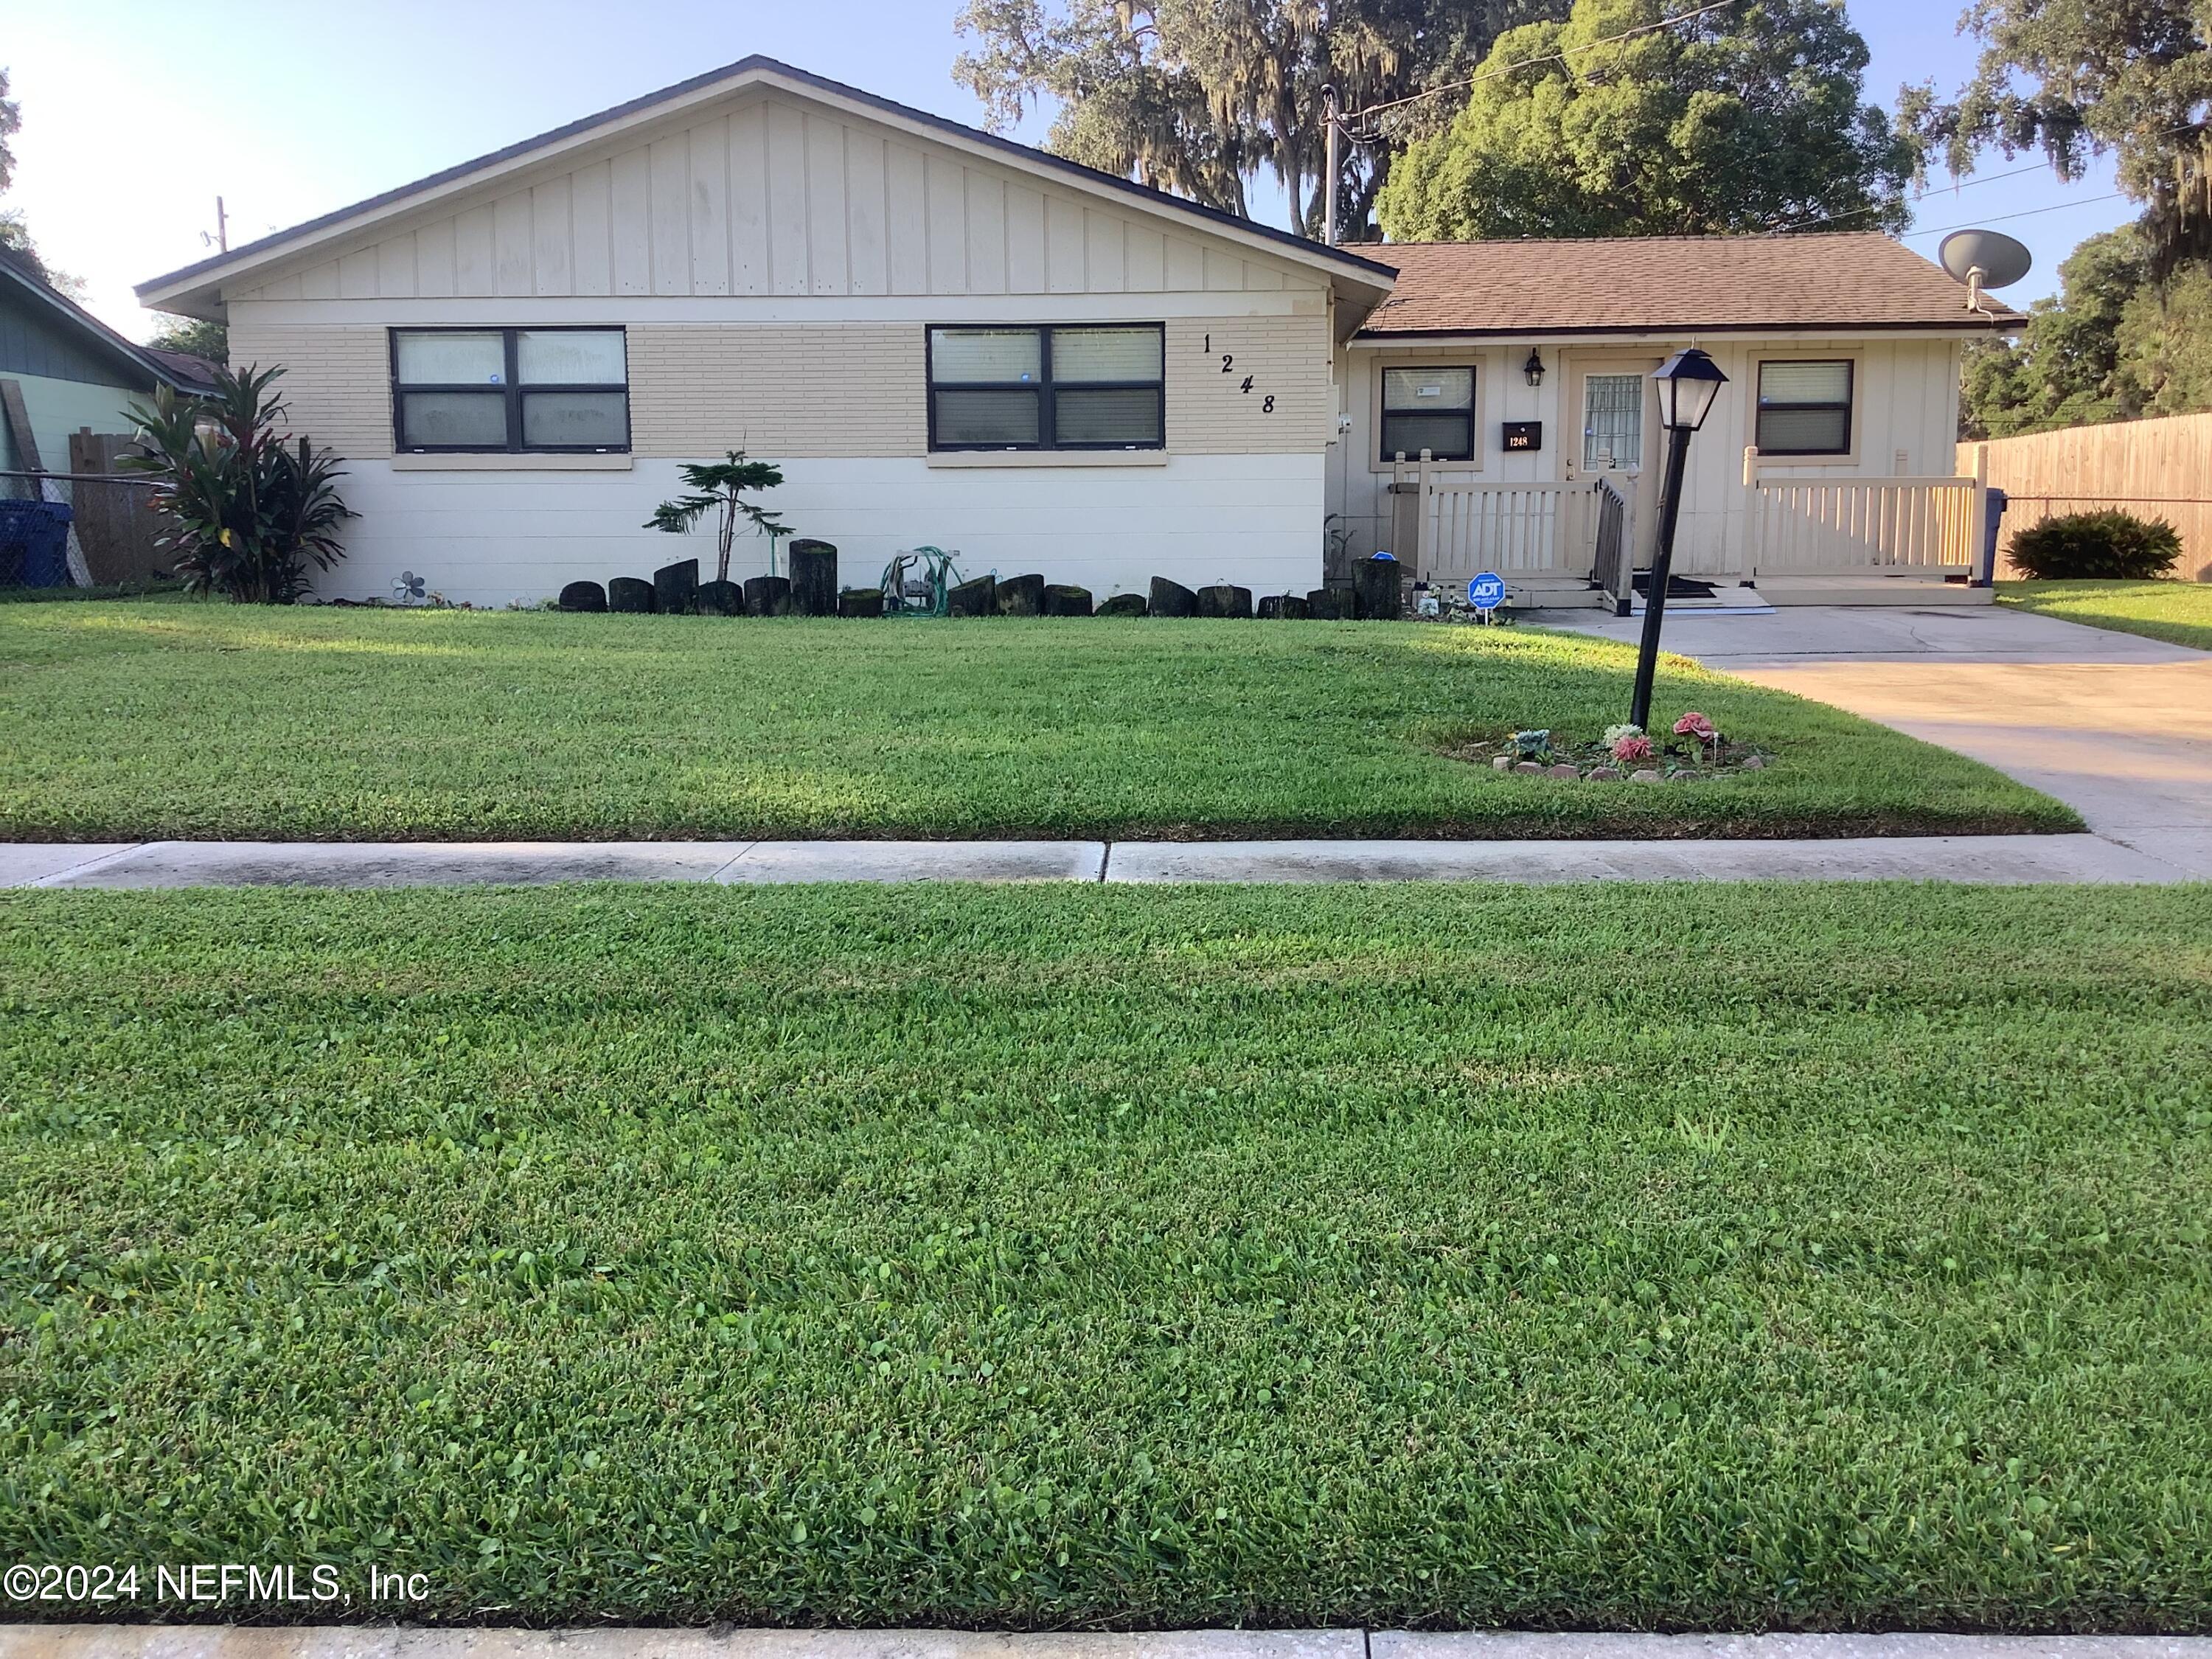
775	265
1905	410
773	197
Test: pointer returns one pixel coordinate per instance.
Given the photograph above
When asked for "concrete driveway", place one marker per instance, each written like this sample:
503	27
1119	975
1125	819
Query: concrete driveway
2117	726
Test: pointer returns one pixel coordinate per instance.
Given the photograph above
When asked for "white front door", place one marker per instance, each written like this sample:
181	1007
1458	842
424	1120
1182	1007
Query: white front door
1613	427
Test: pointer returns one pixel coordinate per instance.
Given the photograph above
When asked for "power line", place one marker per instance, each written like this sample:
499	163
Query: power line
1559	56
1965	184
1882	207
2025	213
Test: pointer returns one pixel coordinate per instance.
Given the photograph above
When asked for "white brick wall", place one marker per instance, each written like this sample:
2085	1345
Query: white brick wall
790	390
1285	358
785	389
337	381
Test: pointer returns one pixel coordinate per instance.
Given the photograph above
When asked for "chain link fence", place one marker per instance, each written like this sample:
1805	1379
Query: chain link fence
81	532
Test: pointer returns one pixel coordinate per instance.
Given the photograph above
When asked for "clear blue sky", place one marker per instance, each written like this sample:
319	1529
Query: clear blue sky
136	114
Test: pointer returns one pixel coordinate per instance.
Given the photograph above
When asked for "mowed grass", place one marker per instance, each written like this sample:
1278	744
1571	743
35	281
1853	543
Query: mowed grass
137	721
2178	612
1814	1257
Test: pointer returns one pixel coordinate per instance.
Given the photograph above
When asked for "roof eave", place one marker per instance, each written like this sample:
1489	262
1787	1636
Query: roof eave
106	339
196	288
1964	328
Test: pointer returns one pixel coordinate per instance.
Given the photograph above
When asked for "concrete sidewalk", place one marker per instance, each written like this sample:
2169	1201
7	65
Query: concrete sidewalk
2000	860
2117	726
387	1642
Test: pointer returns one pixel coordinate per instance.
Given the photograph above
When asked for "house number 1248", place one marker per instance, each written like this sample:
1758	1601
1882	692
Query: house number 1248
1228	362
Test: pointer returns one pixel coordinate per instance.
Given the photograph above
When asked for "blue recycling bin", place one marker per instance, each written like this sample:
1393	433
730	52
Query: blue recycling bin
34	543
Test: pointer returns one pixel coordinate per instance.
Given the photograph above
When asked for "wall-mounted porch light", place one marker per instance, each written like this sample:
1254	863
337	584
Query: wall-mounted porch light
1533	368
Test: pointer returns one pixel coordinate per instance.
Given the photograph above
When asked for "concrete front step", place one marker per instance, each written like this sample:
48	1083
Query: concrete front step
1870	589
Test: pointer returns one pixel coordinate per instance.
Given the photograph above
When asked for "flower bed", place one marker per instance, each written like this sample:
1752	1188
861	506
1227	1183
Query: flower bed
1695	749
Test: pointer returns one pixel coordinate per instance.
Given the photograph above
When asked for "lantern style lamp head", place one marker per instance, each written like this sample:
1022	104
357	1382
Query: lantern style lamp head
1688	382
1533	368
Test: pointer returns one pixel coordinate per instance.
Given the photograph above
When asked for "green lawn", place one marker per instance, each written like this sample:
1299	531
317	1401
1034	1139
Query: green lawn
132	720
2180	612
1799	1256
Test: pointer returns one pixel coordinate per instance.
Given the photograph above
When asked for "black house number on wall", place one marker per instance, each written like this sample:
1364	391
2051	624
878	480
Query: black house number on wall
1229	366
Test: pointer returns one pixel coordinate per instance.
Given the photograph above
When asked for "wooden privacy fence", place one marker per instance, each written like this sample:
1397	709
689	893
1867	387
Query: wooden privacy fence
1805	526
1460	527
2158	469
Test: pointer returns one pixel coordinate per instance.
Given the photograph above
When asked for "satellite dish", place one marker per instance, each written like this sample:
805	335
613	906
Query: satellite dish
1983	259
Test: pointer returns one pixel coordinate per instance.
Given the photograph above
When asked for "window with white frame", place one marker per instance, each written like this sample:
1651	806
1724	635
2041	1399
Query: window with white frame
1091	387
463	391
1430	409
1804	408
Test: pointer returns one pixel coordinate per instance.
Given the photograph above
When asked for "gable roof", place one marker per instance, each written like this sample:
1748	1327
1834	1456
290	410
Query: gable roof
167	367
202	276
1639	285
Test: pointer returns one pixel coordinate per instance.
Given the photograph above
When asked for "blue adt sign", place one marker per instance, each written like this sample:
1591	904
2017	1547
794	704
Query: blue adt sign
1487	591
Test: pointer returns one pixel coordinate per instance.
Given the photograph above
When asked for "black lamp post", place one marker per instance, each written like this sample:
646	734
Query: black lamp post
1688	382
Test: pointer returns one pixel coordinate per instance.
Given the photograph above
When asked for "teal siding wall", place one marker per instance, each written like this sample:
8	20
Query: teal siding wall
68	381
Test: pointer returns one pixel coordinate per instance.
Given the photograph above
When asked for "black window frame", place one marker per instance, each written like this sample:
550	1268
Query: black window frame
1760	405
1384	454
510	385
1044	387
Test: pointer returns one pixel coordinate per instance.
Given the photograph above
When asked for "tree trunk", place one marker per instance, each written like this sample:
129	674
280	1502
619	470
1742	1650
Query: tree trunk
631	595
721	598
977	599
1172	599
1021	596
675	587
1061	599
583	596
860	601
813	577
768	596
1376	583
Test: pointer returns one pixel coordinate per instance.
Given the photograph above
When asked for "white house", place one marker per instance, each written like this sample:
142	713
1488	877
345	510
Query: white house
945	337
1524	369
941	336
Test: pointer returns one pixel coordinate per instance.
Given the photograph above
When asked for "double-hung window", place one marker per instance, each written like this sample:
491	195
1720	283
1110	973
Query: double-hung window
1430	409
1805	408
1047	388
518	390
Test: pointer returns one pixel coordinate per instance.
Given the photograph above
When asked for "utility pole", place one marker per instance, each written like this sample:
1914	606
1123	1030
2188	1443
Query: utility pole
1328	166
221	226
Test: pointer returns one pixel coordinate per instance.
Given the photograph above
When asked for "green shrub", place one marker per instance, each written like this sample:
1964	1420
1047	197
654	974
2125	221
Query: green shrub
244	514
2108	546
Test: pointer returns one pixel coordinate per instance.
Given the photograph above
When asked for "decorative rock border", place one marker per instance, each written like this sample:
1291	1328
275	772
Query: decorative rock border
1677	761
810	590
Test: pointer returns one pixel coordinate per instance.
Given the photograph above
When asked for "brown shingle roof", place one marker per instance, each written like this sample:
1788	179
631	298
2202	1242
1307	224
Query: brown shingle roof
1852	279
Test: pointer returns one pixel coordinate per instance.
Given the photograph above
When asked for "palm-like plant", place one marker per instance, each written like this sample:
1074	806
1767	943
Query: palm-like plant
247	512
722	485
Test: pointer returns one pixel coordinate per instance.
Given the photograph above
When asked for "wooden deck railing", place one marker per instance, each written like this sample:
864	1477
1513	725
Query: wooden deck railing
1462	526
1805	526
1614	564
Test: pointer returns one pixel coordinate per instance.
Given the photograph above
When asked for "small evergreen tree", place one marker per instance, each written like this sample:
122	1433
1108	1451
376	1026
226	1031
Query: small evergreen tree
722	485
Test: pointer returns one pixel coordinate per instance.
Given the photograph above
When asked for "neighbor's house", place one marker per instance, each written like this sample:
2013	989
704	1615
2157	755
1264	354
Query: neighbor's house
946	337
941	336
63	371
1824	470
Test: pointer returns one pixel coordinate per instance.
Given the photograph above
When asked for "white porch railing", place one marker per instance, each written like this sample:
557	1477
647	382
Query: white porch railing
1462	526
1806	526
